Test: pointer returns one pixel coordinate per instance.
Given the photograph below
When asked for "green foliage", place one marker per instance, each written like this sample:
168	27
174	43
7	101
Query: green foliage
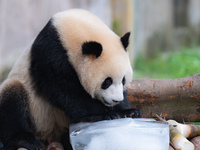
116	26
4	74
196	123
176	64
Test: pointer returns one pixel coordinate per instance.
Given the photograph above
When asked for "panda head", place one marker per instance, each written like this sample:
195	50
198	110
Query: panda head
97	54
109	73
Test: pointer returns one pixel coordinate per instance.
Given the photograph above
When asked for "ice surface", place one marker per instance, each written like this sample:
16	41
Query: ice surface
120	134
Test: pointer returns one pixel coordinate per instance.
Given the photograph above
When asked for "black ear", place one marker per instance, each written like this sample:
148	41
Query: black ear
125	40
92	48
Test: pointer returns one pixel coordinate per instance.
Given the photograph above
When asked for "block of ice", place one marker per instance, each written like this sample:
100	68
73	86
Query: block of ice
120	134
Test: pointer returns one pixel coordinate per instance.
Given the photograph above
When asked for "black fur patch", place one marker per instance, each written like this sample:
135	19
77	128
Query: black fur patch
93	48
56	80
16	128
125	40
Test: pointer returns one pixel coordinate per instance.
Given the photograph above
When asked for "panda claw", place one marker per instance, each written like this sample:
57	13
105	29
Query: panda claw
132	113
22	148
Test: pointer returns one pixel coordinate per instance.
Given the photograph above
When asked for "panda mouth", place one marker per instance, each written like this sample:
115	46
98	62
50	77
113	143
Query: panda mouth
102	99
108	104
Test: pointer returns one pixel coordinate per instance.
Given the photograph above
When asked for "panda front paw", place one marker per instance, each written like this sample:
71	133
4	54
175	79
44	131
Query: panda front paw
23	141
129	113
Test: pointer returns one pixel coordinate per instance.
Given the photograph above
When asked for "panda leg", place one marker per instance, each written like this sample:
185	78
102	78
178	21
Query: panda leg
65	140
16	129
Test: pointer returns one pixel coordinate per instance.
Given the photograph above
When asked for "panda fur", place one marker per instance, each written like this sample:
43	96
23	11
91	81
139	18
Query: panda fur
76	70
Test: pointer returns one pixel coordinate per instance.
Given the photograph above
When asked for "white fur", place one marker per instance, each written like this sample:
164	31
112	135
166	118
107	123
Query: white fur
78	26
114	92
49	120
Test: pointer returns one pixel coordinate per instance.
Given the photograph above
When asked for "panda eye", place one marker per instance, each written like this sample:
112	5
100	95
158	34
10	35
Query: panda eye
123	80
106	83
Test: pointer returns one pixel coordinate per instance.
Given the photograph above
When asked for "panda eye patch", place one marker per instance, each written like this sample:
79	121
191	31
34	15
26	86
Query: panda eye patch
106	83
123	80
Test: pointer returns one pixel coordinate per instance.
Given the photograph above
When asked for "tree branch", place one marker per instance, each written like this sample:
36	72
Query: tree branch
177	99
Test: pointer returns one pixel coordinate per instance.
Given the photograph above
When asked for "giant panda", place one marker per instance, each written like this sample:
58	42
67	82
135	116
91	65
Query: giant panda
76	70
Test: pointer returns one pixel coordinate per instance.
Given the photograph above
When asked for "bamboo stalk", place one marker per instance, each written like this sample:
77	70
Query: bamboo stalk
187	130
177	140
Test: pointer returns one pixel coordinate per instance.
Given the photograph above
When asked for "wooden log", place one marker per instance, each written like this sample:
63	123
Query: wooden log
55	146
170	147
177	99
196	142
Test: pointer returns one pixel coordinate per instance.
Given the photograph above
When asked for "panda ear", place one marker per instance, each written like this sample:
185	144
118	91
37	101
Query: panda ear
125	40
92	48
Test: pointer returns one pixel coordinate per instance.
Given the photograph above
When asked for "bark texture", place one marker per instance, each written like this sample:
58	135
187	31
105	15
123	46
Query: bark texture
177	99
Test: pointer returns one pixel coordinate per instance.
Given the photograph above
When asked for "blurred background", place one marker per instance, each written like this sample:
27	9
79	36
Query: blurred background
165	34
